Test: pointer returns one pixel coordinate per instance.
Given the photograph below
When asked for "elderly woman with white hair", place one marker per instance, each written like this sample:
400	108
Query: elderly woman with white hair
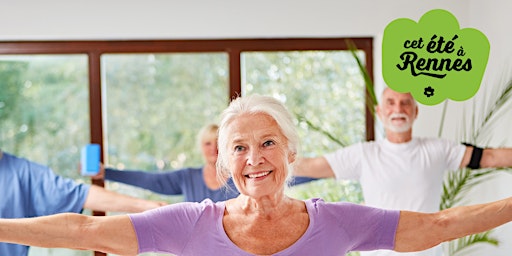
257	147
194	183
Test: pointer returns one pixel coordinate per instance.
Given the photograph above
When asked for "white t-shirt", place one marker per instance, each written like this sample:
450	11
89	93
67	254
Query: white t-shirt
404	176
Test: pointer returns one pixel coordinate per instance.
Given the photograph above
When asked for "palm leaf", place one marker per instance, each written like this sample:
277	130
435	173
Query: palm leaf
302	118
460	246
490	114
371	101
458	183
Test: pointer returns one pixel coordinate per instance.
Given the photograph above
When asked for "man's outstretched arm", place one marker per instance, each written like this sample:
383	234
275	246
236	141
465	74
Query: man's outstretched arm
476	157
314	167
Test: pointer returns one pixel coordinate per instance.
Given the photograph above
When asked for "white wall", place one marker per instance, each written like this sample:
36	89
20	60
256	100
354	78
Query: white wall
168	19
120	19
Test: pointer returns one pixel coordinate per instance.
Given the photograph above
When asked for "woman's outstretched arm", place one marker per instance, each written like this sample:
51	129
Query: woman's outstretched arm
112	234
420	231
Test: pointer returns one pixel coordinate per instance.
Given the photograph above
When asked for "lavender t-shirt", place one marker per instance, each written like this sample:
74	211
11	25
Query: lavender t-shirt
196	229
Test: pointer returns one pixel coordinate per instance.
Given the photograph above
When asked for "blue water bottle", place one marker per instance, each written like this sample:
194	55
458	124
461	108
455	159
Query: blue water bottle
90	160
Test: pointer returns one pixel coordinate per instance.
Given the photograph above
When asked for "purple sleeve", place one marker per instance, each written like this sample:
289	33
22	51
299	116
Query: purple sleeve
166	229
381	229
371	228
357	227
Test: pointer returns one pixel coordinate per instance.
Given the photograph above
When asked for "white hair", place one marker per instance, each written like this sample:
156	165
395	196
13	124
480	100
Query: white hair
251	105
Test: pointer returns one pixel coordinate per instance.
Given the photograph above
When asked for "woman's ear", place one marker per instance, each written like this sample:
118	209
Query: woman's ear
291	157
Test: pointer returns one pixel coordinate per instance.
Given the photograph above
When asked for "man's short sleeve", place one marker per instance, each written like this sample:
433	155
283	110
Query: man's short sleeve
51	193
346	162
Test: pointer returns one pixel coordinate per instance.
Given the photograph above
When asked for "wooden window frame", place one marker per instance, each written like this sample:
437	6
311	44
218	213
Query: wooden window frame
233	47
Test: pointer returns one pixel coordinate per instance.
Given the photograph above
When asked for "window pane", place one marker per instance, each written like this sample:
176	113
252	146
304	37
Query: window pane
44	114
44	109
154	106
324	87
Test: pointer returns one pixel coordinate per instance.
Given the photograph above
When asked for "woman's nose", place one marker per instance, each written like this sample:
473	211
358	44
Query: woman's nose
254	157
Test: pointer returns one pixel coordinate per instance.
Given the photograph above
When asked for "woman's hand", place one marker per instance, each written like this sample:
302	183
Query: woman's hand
101	173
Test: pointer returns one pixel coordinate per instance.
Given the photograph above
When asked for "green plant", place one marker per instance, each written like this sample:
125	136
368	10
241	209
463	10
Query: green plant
371	100
462	245
458	183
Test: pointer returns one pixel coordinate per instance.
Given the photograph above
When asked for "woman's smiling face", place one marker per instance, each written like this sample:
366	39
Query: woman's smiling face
258	155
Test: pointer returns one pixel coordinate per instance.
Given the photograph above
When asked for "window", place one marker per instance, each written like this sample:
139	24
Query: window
43	108
155	105
144	101
44	113
325	88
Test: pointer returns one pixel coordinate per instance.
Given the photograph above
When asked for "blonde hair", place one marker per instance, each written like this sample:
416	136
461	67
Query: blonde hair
207	132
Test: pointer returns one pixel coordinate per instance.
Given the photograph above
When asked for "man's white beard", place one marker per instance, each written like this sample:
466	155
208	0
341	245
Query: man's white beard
404	127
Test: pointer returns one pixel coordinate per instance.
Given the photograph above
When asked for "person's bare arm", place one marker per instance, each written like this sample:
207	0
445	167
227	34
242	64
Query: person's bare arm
112	234
491	157
100	199
496	157
420	231
315	167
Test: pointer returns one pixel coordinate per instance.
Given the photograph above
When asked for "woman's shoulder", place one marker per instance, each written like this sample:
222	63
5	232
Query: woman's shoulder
320	206
189	209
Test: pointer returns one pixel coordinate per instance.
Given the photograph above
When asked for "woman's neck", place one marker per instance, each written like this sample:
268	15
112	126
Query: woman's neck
266	206
210	177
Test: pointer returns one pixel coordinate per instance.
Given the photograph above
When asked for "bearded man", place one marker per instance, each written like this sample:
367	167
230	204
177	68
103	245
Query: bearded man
401	172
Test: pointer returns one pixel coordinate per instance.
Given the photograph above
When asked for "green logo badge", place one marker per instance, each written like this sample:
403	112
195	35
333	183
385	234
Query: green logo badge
434	59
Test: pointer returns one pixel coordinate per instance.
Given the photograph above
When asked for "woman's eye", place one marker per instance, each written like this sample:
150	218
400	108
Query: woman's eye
268	143
238	148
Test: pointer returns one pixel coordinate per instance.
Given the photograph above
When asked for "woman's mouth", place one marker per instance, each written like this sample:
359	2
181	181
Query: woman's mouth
257	175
